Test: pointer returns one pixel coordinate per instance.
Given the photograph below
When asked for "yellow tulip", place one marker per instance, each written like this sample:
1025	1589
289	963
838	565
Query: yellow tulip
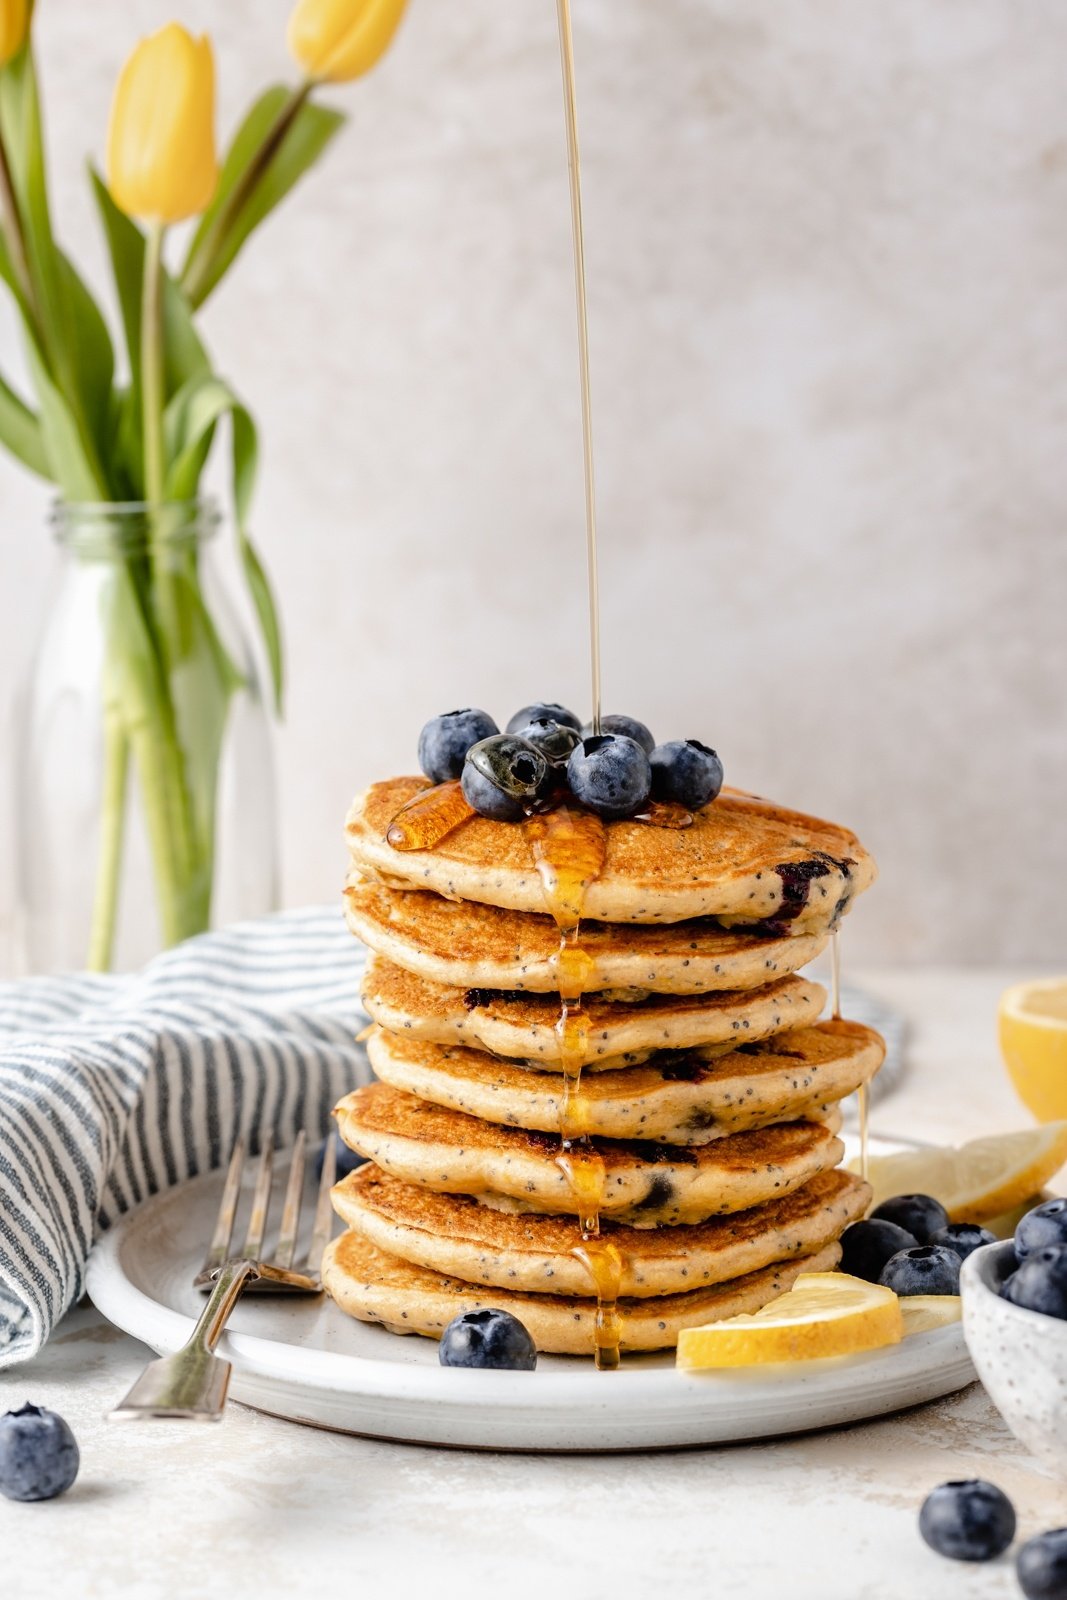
14	26
161	162
337	40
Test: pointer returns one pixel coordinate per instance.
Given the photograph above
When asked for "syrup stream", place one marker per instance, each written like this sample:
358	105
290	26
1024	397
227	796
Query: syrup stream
570	106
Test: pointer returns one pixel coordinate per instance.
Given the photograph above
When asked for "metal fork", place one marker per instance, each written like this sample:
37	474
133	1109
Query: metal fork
192	1384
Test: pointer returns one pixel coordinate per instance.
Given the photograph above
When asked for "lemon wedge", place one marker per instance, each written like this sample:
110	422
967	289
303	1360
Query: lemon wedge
977	1180
823	1314
1033	1041
921	1312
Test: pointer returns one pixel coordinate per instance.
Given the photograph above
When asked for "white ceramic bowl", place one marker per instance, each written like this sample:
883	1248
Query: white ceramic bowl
1020	1355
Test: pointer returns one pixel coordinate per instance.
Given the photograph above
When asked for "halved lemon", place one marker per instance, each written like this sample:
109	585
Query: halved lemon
921	1312
1032	1019
976	1180
823	1314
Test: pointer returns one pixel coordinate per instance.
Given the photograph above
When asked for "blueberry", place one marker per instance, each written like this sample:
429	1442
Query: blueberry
629	727
547	709
963	1237
555	740
445	740
610	774
347	1160
968	1520
687	772
927	1269
487	1339
1045	1224
38	1454
919	1214
1040	1282
1041	1566
502	775
867	1246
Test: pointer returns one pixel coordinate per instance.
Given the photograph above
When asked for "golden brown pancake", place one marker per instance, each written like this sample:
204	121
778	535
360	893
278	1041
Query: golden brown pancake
677	1097
373	1286
455	1235
744	860
645	1185
525	1026
468	945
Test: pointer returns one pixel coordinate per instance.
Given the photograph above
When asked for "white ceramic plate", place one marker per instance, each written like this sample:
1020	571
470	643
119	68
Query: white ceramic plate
304	1360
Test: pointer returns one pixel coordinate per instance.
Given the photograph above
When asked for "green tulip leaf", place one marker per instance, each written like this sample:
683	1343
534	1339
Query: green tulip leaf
20	432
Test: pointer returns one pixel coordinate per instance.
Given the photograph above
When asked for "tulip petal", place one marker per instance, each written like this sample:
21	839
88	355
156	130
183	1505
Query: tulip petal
338	40
14	26
161	159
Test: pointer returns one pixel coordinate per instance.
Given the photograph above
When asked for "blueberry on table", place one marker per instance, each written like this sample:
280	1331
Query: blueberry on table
919	1214
445	740
963	1237
866	1247
686	772
555	740
629	727
547	709
487	1339
1045	1224
968	1520
346	1160
38	1454
1040	1282
502	775
610	774
1041	1566
927	1269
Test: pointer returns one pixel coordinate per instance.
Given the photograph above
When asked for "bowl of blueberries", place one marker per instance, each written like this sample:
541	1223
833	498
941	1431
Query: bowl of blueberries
1015	1324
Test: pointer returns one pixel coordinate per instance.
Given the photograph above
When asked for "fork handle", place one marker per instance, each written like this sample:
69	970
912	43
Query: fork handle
193	1382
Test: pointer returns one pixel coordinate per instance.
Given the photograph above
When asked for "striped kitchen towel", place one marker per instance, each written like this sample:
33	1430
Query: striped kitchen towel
112	1088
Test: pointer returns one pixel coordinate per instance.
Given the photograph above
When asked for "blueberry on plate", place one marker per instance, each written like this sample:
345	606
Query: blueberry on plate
927	1269
686	772
629	727
1045	1224
968	1520
963	1237
867	1246
610	774
487	1339
346	1160
38	1454
919	1214
547	709
1040	1282
502	775
445	740
1041	1566
555	740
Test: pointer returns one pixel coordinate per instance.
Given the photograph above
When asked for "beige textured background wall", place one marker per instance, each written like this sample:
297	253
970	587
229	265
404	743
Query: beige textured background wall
827	246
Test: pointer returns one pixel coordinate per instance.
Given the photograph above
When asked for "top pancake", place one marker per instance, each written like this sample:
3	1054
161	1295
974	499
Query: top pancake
744	861
468	945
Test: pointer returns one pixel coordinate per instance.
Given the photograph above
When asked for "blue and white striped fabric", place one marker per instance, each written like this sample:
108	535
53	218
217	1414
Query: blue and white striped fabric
112	1088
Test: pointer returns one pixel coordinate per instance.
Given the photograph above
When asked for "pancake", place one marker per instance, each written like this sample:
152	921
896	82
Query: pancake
455	1235
645	1185
468	945
525	1026
744	860
678	1098
372	1286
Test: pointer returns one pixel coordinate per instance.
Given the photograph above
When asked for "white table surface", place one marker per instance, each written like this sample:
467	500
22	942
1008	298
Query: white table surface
261	1507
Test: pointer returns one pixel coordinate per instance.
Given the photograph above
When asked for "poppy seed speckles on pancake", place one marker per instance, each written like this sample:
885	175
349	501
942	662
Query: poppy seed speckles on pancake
524	1026
373	1286
646	1185
726	865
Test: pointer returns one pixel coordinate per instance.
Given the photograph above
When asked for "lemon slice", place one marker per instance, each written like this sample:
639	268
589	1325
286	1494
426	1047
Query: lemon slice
823	1314
921	1312
977	1180
1033	1041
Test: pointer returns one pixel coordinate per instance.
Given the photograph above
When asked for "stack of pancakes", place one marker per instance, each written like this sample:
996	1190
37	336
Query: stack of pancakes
709	1090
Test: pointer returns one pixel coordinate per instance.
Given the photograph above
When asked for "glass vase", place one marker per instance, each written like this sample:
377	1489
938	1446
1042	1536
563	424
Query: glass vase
145	800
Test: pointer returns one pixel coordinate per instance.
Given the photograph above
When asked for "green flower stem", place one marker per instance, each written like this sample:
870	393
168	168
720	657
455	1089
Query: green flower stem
112	830
152	365
16	244
197	273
